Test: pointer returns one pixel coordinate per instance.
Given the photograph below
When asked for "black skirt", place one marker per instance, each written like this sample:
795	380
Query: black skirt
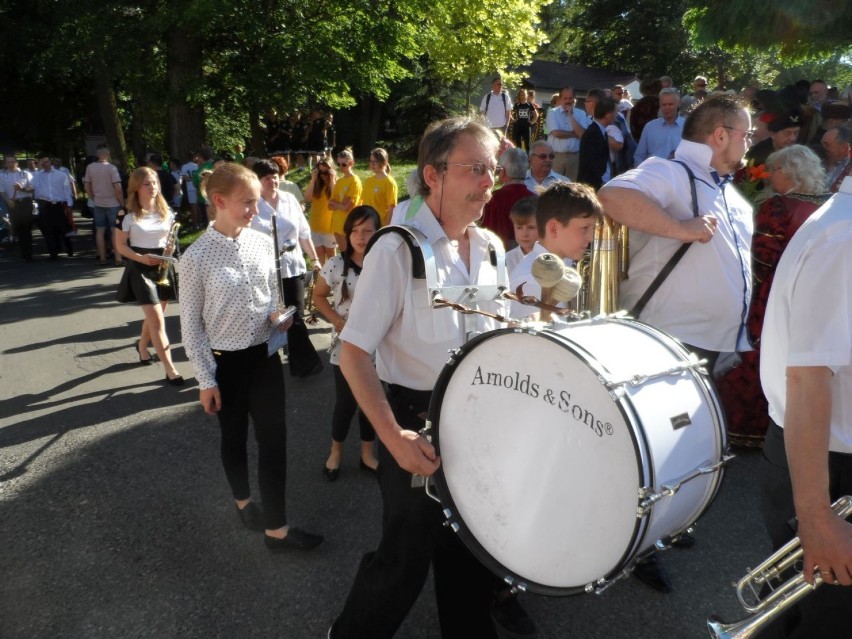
139	283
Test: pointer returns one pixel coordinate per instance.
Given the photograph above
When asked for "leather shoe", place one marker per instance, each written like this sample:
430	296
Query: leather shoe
684	540
252	517
316	370
296	539
651	572
510	617
330	474
143	362
364	466
174	381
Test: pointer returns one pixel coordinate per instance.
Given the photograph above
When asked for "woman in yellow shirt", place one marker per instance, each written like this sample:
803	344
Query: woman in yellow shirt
380	189
345	195
318	194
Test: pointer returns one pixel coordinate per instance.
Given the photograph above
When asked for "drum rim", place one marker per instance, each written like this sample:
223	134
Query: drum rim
448	504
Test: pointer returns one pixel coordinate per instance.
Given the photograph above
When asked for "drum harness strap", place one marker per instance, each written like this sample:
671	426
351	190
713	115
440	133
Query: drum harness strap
423	268
681	251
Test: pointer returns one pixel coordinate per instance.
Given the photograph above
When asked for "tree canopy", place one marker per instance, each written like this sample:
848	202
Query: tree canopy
173	75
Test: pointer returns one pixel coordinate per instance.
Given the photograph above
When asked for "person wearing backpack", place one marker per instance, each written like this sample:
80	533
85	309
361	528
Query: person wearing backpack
496	107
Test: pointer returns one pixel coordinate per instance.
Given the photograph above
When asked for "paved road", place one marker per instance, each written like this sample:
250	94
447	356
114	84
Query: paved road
115	518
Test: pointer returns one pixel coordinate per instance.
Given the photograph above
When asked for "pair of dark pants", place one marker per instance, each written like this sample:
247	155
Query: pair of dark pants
344	408
825	612
390	579
251	383
22	219
301	353
54	226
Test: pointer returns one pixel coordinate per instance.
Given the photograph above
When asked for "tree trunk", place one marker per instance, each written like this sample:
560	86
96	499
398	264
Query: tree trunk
108	107
186	130
369	118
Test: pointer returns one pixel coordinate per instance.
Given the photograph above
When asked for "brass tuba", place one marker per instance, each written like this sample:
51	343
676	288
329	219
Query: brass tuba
168	251
603	267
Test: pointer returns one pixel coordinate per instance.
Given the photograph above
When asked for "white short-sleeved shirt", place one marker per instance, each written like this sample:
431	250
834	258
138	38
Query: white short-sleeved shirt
332	273
808	319
292	225
391	315
560	120
496	111
187	173
147	231
8	179
704	300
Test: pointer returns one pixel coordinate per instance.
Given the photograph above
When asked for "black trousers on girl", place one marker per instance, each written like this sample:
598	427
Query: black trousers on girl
252	384
390	579
302	355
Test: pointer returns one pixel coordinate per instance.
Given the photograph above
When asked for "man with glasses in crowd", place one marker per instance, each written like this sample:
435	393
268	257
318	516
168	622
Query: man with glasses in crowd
541	173
391	319
704	299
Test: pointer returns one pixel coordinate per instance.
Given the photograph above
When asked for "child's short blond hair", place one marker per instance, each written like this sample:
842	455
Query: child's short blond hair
523	210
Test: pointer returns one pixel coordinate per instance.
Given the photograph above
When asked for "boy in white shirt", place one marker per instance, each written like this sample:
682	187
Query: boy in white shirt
522	215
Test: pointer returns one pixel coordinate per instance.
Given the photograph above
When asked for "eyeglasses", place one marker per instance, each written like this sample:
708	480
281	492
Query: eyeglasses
342	164
543	156
746	134
323	172
478	169
701	86
618	92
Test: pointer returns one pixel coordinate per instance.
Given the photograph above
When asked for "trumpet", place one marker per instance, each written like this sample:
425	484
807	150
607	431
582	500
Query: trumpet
778	598
168	251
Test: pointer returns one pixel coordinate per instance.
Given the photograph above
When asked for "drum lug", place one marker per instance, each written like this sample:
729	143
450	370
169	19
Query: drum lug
649	498
514	586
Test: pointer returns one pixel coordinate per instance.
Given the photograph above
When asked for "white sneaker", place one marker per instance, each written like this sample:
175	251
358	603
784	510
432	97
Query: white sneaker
71	233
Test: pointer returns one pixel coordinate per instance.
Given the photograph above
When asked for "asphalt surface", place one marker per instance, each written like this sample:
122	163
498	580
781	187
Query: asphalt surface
116	520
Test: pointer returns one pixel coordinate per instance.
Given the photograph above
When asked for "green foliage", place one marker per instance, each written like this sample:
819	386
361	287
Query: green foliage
800	29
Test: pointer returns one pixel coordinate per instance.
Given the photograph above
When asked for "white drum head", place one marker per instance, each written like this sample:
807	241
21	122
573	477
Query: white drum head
539	465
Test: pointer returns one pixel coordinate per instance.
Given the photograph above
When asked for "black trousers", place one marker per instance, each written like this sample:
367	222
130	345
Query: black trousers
252	384
823	613
54	226
390	579
345	407
301	353
22	219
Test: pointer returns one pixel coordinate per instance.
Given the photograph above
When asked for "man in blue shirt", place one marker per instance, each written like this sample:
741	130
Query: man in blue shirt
660	137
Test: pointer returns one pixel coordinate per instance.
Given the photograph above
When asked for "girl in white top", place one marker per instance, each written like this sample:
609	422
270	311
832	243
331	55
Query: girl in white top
229	304
338	278
142	231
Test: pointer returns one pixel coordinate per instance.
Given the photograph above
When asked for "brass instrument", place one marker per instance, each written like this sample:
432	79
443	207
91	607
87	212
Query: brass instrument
778	598
168	251
603	267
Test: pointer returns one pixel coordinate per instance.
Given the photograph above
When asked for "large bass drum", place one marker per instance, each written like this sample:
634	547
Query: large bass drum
570	452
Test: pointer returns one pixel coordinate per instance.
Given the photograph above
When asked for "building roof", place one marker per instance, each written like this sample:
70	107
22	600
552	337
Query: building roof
549	76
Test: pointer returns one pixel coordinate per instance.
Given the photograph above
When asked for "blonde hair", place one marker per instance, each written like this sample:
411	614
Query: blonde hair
346	153
318	183
224	180
133	205
382	156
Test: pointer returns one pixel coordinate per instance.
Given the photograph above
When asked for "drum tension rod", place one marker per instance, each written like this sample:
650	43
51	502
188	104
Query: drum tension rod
639	379
649	498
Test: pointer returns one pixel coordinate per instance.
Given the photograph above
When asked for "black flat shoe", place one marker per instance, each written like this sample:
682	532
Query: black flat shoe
251	517
143	362
174	381
364	466
330	474
296	539
316	370
652	573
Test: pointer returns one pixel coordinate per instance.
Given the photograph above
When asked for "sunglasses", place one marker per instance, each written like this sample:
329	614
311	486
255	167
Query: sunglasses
543	156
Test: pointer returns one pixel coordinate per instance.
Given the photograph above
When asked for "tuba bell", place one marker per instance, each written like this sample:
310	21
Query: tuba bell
603	267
